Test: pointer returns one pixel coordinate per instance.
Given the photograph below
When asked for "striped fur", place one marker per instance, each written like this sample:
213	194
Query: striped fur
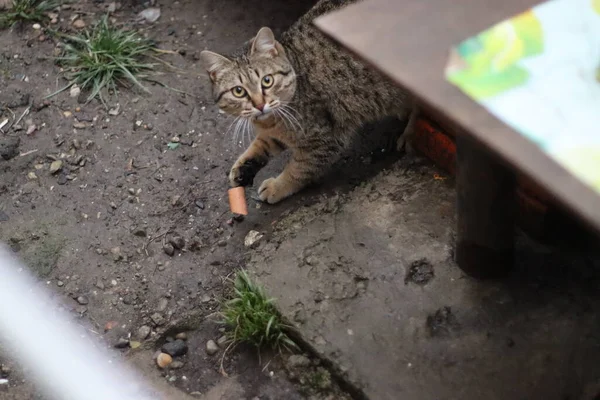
319	97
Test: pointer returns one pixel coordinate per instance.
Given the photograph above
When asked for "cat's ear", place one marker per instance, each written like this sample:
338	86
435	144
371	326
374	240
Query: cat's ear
264	43
212	62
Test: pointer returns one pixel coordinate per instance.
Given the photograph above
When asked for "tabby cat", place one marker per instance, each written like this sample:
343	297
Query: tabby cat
305	93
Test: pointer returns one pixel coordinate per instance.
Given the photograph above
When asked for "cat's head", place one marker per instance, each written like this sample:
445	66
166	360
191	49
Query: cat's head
255	84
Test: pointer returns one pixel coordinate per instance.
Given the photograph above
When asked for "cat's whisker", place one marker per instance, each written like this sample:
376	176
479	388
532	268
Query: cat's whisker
236	133
233	122
293	120
283	119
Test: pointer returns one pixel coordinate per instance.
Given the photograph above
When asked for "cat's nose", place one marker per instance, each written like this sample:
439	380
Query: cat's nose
260	106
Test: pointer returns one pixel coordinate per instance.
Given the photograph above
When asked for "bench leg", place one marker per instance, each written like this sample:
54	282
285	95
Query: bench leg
485	212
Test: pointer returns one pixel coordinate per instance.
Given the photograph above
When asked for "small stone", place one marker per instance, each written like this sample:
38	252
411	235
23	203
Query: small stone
79	125
99	284
222	341
113	205
252	239
74	91
31	128
176	365
140	232
169	249
37	27
32	176
178	242
181	336
297	361
150	14
162	305
200	204
82	300
175	200
116	253
143	332
175	139
62	179
121	343
175	348
158	319
131	191
56	166
164	360
60	283
9	147
79	24
211	348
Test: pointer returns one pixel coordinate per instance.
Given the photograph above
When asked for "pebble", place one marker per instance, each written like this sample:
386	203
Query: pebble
100	284
82	300
56	166
178	242
9	147
158	319
169	249
176	365
222	341
62	179
116	253
32	176
175	348
181	336
151	14
252	239
122	343
37	27
200	204
164	360
79	125
162	305
60	283
140	232
211	348
143	332
79	24
74	91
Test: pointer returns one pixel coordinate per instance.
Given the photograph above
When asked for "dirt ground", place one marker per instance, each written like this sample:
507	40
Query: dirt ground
362	264
95	229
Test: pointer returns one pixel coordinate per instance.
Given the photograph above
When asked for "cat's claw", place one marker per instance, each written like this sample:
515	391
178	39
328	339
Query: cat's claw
271	191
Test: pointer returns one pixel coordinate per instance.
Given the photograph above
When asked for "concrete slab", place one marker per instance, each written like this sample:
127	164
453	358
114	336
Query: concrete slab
368	279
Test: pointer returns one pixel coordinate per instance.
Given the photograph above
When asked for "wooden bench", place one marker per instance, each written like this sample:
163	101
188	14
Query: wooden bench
410	42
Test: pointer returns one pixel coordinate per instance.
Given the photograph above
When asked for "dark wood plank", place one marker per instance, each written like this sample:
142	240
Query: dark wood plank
410	41
485	208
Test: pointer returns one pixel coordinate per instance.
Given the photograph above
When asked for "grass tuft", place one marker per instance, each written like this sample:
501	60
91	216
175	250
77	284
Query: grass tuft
104	57
23	11
253	318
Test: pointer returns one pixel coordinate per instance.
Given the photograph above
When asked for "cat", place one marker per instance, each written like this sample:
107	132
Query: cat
304	93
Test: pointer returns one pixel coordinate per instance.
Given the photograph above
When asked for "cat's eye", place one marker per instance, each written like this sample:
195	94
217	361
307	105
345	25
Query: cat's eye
267	81
238	91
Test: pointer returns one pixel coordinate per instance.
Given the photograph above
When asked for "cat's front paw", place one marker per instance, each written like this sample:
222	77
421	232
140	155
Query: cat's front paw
272	191
243	172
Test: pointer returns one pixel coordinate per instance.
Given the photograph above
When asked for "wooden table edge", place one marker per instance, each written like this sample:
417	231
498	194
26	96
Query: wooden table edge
582	208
